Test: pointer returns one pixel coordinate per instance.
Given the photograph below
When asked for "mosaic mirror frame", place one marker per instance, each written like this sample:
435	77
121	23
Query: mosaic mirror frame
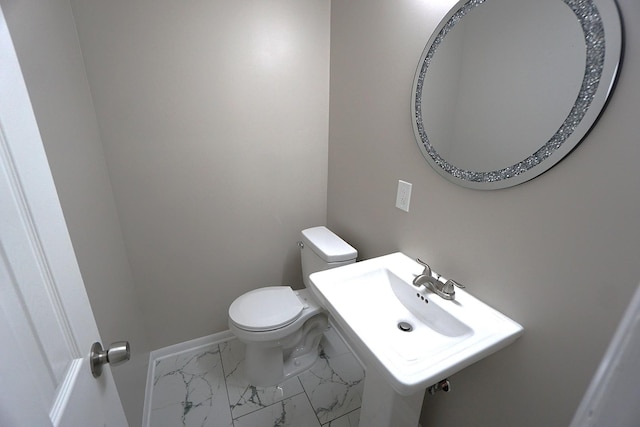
601	25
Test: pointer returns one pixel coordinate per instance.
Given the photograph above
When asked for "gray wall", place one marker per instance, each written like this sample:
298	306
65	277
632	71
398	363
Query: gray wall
214	122
558	254
47	46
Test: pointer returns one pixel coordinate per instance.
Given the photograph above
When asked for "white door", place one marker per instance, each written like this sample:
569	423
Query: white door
613	396
46	323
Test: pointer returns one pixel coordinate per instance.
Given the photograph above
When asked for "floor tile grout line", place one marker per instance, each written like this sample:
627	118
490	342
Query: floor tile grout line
324	356
269	405
304	390
343	415
315	413
224	380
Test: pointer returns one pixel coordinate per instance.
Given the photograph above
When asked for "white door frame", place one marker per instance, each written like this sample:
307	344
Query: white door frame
613	398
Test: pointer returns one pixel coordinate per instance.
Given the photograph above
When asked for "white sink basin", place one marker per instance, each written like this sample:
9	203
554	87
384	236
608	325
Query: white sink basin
369	299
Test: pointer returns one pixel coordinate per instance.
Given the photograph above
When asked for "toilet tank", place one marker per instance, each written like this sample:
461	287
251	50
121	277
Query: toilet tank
321	249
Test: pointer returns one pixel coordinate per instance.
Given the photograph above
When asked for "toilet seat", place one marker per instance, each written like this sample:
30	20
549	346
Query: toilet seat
266	309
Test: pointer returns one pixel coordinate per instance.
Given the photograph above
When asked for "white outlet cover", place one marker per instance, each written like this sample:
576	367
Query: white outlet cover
403	197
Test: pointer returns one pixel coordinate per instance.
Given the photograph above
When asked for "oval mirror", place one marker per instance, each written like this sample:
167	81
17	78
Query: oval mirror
506	88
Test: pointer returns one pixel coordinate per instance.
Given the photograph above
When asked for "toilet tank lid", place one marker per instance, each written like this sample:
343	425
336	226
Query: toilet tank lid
328	245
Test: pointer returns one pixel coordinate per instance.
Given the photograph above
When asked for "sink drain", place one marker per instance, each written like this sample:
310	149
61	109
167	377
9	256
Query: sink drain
405	327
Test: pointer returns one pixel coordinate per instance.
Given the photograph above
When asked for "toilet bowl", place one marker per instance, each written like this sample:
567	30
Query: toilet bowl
282	327
281	334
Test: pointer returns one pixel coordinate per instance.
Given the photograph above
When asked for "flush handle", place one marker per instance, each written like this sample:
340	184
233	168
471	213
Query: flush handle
117	353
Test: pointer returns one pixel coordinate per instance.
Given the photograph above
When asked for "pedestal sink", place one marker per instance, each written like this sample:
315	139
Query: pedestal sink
408	337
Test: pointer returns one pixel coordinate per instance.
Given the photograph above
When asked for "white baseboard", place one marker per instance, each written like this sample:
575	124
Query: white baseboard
193	344
174	350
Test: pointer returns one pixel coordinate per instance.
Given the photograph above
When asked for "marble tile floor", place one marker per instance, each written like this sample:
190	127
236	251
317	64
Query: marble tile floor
206	387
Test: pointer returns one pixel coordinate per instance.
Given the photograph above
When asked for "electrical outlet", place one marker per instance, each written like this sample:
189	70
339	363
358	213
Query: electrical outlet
404	195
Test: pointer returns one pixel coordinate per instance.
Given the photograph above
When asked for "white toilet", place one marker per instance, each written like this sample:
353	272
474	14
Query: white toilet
282	327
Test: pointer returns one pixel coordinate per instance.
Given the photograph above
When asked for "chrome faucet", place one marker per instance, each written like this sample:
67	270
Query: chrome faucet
438	284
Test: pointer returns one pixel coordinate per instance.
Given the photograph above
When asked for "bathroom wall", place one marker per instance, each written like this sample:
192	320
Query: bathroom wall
558	254
47	46
214	121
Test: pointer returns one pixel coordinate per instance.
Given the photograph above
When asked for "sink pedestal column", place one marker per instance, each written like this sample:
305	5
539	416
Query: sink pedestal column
382	406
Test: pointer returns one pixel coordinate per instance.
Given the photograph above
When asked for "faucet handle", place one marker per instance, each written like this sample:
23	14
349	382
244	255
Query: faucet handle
459	285
449	286
427	269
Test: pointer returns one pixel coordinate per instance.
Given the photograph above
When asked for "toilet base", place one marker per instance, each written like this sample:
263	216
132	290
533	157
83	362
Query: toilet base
267	366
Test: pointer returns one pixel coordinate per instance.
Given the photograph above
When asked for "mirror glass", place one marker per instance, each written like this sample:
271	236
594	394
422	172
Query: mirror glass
506	88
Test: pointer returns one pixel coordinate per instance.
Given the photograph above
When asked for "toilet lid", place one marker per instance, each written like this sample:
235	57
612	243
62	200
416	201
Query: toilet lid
266	309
